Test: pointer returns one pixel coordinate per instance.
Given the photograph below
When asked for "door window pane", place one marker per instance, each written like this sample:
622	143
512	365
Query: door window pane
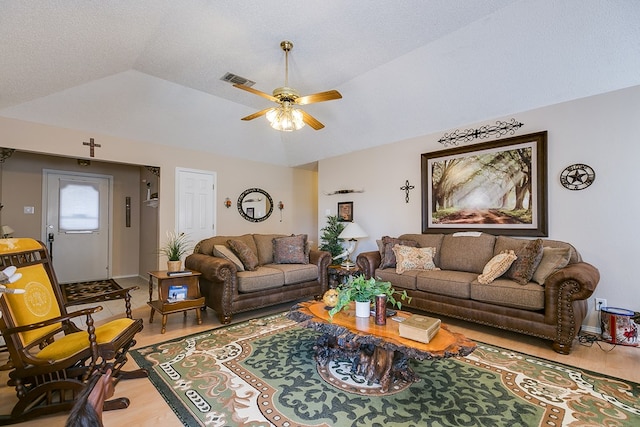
79	206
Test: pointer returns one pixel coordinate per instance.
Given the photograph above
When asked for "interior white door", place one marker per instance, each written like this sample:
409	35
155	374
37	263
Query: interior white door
77	210
195	204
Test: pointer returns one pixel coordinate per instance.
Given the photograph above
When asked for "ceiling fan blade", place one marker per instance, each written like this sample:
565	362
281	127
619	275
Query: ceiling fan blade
319	97
256	92
311	121
256	115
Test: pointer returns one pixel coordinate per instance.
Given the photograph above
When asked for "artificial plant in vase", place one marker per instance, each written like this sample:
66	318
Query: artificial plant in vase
329	239
174	248
365	290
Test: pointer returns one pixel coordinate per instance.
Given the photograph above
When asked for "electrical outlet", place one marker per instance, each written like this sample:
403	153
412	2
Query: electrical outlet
600	302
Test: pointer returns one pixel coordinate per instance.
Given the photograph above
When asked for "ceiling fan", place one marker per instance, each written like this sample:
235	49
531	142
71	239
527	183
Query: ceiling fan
285	117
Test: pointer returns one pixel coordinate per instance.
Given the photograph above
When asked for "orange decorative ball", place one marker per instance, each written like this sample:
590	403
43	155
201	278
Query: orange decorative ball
330	298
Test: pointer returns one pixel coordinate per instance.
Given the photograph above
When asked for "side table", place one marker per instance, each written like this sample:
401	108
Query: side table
339	274
175	294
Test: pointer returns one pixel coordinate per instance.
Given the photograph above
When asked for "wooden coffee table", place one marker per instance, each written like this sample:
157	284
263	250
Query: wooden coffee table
379	353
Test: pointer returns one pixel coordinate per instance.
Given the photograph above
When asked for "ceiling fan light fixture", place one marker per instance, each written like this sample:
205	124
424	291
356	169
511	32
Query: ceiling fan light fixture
285	118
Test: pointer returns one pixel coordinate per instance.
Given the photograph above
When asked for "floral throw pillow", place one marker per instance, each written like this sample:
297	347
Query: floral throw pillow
497	266
244	252
411	258
290	250
525	265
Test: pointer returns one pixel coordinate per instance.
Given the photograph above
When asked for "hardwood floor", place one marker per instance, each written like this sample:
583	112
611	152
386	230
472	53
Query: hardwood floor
149	409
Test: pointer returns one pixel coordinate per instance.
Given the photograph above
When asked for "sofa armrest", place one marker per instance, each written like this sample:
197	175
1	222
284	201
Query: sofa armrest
367	262
322	259
582	276
212	268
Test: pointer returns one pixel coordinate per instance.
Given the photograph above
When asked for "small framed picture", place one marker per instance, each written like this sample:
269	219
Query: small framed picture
345	211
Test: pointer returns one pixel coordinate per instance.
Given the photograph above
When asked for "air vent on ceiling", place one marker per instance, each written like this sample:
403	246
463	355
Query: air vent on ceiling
237	80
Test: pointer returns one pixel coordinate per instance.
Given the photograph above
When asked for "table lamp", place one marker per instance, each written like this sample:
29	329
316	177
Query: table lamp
351	232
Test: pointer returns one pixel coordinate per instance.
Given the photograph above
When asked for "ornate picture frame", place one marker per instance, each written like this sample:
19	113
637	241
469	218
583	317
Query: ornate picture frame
498	187
345	211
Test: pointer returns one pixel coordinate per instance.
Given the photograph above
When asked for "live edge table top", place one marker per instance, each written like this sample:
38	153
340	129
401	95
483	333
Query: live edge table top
346	325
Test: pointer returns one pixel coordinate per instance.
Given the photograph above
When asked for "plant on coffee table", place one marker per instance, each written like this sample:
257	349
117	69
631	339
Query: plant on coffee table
365	290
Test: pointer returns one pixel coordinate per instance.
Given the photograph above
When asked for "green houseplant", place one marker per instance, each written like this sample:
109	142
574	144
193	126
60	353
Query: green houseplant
361	289
329	239
174	248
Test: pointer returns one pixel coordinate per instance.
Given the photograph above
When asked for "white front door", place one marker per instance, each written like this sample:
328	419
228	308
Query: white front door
77	221
195	204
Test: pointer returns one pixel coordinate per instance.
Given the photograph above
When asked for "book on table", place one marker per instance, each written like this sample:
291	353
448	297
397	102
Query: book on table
179	273
177	293
419	328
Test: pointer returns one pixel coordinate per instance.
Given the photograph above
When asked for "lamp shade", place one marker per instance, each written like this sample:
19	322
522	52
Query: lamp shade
7	231
352	231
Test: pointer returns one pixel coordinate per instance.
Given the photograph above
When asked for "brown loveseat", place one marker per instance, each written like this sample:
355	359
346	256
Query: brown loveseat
257	278
552	308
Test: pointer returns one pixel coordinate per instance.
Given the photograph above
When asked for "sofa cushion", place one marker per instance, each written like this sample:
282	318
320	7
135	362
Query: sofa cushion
264	246
509	293
445	282
388	258
290	250
553	259
206	246
426	241
296	273
260	279
466	253
221	251
497	266
243	251
525	265
410	258
407	280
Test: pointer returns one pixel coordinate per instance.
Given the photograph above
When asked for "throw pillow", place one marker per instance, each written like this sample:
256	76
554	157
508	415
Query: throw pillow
244	252
525	265
290	250
553	259
411	258
496	267
221	251
388	257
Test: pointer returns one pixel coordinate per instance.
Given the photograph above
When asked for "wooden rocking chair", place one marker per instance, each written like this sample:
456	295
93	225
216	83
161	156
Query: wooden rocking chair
51	358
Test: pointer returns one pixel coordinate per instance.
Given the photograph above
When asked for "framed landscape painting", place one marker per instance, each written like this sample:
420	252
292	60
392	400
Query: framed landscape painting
498	187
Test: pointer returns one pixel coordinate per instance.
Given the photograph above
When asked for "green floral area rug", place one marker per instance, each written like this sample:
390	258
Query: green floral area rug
262	373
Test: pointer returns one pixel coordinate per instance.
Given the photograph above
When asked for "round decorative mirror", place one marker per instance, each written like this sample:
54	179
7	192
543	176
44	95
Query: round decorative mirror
255	205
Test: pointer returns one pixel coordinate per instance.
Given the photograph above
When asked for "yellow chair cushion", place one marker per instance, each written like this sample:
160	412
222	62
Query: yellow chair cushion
74	343
37	304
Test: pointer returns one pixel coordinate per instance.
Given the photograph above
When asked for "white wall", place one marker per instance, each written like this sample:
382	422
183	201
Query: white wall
601	131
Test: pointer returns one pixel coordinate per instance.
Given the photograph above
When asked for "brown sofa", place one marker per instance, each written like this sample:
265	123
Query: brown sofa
229	287
552	309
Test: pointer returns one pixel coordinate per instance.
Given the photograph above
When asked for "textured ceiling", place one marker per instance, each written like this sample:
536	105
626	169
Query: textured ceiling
150	69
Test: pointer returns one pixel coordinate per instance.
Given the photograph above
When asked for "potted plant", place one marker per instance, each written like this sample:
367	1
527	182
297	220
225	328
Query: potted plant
364	291
174	248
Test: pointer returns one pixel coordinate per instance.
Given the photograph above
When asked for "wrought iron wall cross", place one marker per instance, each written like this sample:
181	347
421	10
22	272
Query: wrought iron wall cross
406	188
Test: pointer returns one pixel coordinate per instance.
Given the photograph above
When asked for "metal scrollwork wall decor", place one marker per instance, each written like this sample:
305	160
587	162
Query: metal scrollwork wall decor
406	188
499	129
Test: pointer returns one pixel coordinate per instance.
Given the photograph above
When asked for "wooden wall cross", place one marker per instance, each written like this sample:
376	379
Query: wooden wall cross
92	146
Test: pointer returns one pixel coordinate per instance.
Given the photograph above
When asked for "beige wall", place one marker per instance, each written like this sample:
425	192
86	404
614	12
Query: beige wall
600	221
296	188
22	180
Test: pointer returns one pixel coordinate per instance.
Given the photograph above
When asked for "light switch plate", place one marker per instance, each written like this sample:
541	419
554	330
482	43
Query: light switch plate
29	210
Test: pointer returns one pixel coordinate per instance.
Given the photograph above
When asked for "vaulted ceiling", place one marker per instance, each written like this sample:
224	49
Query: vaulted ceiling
151	70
